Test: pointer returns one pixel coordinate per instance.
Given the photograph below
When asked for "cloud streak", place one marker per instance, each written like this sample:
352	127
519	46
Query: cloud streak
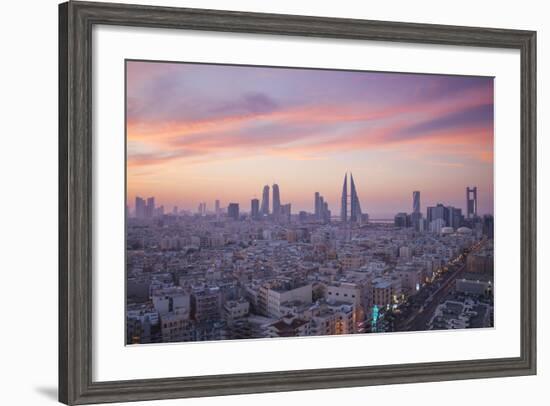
185	115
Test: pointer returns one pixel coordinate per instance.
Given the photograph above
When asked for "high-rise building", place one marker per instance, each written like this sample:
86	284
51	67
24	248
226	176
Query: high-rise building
254	208
344	202
326	213
233	211
317	205
150	208
202	209
416	201
451	216
322	211
416	219
355	205
276	201
175	211
140	208
416	215
265	201
488	225
471	202
217	207
355	215
435	213
285	212
402	220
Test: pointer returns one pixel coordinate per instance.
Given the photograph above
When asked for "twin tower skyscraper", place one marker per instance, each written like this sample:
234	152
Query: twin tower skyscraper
354	205
351	201
264	209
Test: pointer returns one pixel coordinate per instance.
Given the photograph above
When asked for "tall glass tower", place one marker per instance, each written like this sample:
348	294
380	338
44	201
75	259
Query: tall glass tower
416	201
471	202
254	208
355	205
265	201
276	200
344	209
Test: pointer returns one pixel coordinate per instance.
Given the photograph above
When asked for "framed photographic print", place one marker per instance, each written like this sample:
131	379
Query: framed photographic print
257	202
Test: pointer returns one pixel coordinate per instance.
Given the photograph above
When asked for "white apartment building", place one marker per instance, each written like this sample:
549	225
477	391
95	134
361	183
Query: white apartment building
170	299
271	296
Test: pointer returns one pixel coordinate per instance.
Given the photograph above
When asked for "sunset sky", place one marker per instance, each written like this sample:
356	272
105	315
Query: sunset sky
203	132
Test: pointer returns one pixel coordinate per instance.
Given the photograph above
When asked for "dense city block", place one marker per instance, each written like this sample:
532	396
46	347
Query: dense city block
231	272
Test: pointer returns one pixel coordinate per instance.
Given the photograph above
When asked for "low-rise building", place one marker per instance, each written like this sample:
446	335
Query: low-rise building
289	326
235	309
206	304
272	295
475	283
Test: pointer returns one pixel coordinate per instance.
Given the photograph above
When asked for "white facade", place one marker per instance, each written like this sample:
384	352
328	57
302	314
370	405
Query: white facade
234	309
276	297
171	299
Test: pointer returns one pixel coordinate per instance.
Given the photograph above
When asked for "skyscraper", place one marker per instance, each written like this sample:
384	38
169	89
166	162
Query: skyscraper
150	207
488	225
233	211
402	220
217	207
265	201
321	208
285	212
276	201
355	215
471	202
416	215
436	212
202	208
344	209
140	208
453	217
317	205
355	205
326	213
416	201
254	208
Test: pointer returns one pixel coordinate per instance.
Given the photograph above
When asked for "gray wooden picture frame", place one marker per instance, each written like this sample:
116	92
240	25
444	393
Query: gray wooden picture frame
76	20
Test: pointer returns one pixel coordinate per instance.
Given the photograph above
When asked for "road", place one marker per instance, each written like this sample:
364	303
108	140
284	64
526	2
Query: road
419	319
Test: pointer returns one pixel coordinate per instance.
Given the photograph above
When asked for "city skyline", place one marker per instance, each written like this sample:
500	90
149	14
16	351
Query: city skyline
243	227
196	136
253	207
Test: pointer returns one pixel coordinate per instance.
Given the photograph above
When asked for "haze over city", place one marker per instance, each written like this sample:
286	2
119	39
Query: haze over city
200	133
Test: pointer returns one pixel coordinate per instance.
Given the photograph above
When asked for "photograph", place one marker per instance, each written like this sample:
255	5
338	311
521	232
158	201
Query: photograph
275	202
267	202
